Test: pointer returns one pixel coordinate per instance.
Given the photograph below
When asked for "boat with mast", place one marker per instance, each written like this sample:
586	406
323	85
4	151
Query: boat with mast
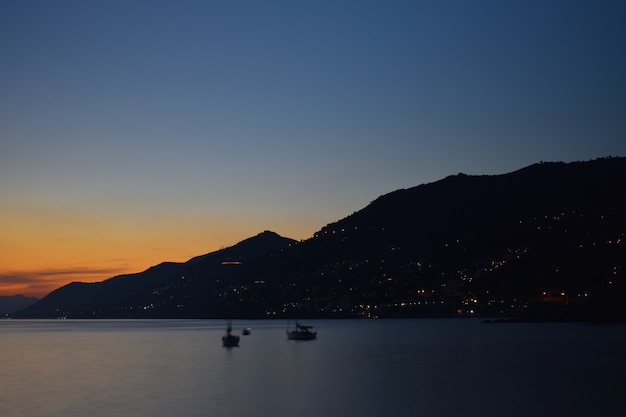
229	339
301	332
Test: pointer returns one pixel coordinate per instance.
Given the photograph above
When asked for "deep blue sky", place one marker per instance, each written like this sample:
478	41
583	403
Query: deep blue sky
159	130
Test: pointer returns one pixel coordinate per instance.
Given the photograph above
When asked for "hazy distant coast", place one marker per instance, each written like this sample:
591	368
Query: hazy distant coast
11	304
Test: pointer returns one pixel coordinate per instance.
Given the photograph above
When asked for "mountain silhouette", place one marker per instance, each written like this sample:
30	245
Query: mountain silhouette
500	245
112	297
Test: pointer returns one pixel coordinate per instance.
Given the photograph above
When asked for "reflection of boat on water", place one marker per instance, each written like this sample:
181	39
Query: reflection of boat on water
229	339
301	332
246	331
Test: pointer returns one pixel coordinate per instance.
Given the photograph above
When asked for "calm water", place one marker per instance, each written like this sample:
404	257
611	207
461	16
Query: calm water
355	368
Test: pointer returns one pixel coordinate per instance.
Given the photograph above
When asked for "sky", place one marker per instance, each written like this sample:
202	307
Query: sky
135	132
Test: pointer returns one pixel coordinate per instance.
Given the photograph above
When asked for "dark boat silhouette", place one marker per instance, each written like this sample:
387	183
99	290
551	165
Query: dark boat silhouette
301	332
229	339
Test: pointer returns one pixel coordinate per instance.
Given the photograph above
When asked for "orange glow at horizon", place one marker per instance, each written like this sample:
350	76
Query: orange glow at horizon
37	270
41	252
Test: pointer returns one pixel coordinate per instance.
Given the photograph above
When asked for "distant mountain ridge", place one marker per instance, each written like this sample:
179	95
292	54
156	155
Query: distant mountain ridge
86	300
11	304
463	245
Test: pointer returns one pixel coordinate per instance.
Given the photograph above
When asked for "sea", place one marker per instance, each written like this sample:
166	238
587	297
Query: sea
359	367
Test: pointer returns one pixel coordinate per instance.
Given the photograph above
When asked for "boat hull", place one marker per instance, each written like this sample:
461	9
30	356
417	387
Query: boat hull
297	335
230	340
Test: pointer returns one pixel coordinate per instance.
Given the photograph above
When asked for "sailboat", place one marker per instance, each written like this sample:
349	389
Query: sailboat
301	332
229	339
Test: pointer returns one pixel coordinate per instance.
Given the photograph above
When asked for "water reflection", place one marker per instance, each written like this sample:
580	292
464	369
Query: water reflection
365	368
